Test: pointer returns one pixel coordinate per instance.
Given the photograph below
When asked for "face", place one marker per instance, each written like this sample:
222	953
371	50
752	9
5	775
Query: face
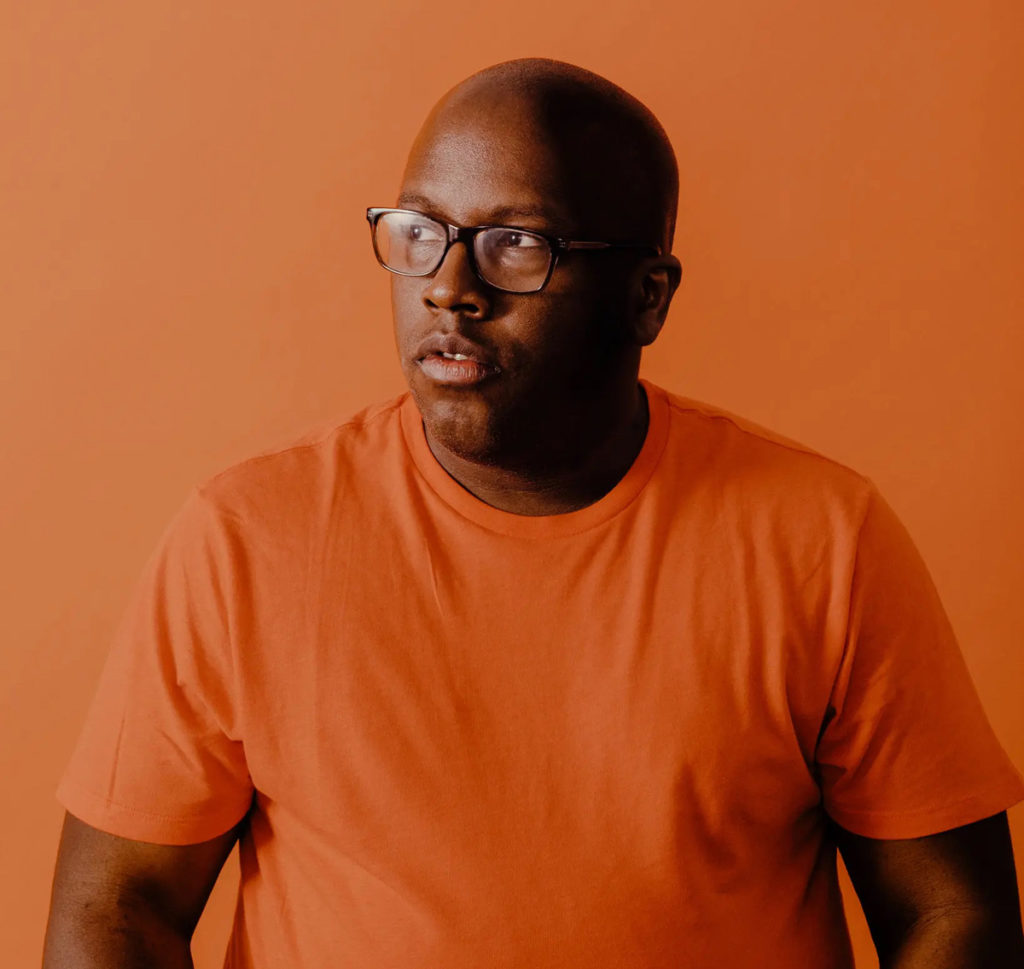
553	354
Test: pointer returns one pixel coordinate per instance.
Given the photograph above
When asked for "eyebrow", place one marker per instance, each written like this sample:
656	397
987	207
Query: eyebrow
495	216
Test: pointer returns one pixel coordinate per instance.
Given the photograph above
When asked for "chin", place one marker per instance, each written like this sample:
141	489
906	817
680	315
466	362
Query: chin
463	425
475	423
471	441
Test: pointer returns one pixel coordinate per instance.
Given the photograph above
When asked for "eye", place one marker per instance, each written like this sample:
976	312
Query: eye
514	239
422	232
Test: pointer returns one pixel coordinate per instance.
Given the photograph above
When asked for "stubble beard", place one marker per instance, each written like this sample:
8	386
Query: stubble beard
522	435
484	435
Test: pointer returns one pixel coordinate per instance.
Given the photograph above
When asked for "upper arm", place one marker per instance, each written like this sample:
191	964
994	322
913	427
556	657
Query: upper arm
95	868
968	870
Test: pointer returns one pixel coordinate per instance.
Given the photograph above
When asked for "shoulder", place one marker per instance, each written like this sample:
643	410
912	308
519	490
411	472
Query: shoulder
757	471
310	467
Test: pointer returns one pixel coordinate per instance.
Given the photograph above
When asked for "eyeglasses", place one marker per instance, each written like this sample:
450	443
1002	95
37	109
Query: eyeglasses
510	259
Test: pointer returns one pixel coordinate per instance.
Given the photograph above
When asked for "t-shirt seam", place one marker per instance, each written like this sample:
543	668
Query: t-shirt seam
797	449
847	646
231	643
386	409
946	806
542	537
214	506
530	538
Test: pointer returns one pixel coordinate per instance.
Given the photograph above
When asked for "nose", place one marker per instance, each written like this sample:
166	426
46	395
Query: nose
454	285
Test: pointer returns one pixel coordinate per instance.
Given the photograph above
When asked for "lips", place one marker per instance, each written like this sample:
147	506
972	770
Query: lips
451	360
450	344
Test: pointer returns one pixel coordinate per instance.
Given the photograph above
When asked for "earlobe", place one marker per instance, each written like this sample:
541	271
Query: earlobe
648	326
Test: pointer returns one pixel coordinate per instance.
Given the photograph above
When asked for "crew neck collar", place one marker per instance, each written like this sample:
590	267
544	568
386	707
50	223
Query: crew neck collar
469	506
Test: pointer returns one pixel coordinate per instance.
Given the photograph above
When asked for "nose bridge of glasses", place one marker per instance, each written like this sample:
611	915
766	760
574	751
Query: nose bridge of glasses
464	235
461	233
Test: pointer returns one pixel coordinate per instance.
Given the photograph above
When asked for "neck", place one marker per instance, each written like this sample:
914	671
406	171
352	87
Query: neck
556	489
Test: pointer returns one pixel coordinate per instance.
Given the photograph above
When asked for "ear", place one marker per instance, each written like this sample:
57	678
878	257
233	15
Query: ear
653	285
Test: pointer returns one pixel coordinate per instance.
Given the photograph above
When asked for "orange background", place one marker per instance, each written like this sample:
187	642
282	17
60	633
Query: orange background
187	278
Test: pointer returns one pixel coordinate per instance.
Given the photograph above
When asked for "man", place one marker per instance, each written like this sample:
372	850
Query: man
538	664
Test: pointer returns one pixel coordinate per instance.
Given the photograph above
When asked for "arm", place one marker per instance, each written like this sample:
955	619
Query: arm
944	901
119	902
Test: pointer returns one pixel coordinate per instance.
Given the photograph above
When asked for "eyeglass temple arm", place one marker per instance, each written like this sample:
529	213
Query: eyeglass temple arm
611	245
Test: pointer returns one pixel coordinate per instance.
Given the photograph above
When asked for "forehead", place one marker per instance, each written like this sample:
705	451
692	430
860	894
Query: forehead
474	165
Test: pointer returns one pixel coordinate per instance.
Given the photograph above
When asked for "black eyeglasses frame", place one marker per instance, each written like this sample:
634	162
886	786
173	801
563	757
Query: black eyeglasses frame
557	244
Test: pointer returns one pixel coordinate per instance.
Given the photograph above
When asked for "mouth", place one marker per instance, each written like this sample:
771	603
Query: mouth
454	360
456	369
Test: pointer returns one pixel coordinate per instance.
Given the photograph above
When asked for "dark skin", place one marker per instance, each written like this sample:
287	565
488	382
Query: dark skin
570	359
943	901
117	901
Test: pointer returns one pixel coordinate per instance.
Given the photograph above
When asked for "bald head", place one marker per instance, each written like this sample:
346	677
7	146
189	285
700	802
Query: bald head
609	161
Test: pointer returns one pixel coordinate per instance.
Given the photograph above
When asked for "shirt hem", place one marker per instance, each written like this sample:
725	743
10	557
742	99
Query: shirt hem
927	821
141	825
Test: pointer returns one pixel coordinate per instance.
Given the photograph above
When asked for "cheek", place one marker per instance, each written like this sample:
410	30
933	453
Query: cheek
405	313
564	323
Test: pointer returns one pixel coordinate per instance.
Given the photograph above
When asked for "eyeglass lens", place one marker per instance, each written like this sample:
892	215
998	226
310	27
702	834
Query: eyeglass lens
510	259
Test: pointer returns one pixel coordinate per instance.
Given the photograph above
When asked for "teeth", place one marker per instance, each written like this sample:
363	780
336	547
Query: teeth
454	356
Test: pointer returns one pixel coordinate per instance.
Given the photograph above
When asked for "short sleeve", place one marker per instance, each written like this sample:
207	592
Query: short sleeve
160	757
906	749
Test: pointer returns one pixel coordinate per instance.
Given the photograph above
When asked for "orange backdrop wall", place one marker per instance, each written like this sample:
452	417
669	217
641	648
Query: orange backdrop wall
186	277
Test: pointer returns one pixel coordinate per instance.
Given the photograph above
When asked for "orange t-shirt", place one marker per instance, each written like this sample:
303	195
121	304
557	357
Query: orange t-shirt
470	738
